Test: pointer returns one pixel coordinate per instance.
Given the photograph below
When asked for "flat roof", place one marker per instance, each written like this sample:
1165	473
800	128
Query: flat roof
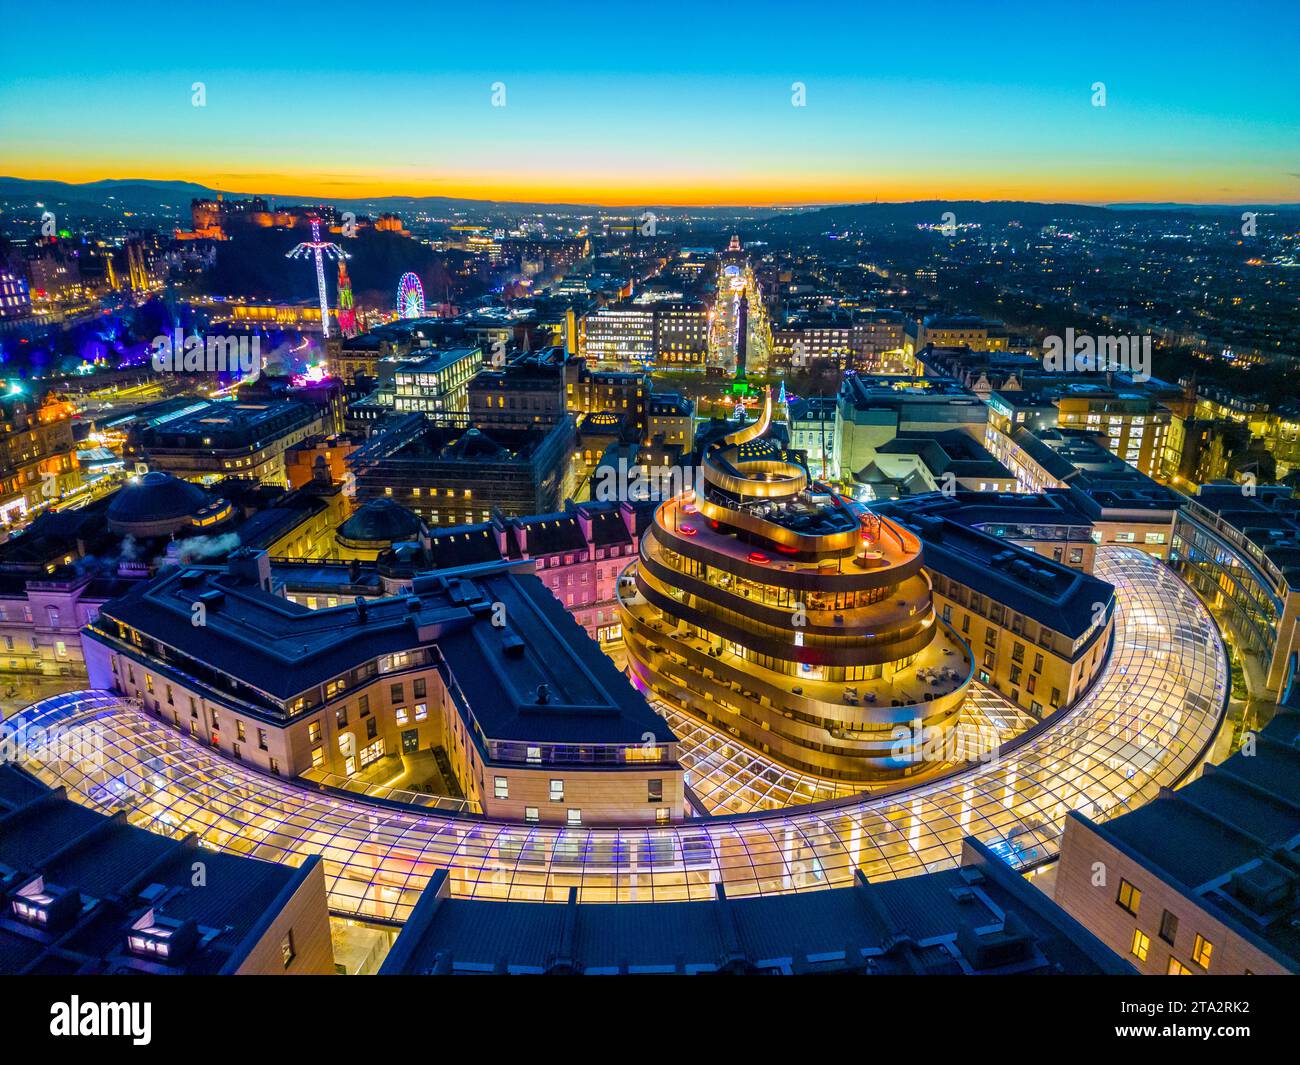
429	363
1053	594
121	872
981	918
283	649
1232	837
1270	519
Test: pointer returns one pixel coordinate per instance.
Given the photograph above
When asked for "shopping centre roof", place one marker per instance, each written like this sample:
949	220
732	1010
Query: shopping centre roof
1144	724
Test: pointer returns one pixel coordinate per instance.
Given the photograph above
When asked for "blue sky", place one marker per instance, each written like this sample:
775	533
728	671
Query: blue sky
665	103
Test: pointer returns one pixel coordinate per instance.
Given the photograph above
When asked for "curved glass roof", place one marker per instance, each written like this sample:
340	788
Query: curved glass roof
1142	726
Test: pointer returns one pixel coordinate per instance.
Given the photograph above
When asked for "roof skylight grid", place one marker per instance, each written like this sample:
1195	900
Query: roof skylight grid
1144	724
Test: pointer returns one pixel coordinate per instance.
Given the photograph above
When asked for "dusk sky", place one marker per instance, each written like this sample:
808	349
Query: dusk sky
663	103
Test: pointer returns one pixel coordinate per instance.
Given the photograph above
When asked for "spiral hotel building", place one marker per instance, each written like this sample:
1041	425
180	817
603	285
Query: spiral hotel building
769	607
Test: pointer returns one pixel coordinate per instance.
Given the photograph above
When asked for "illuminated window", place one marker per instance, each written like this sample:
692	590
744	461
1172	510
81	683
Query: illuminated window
575	816
557	791
530	813
1129	897
1177	968
1141	944
1202	948
501	788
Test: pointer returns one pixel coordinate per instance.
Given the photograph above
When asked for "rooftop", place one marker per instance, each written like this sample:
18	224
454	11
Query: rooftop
950	451
1231	840
538	677
863	390
221	424
1270	519
437	361
116	874
1049	592
383	521
981	918
156	497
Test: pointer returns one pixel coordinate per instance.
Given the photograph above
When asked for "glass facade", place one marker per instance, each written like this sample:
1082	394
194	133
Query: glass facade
1230	574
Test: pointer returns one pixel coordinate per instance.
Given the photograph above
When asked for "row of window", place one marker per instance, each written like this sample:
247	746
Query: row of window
532	815
1129	899
1131	538
501	789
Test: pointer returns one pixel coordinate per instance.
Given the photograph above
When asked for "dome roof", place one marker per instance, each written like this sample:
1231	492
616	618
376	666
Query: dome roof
156	497
381	520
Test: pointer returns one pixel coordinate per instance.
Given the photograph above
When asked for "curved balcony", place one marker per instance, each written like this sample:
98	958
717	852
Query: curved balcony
753	478
689	533
897	607
852	730
796	644
836	740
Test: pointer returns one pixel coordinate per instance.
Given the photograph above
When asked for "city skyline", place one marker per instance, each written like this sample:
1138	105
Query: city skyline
669	110
603	490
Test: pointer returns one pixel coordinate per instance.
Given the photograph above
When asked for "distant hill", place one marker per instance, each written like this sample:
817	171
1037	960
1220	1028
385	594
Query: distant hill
112	194
141	194
1206	208
886	216
146	196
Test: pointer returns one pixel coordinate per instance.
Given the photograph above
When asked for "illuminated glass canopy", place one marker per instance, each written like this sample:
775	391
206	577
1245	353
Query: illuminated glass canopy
1143	725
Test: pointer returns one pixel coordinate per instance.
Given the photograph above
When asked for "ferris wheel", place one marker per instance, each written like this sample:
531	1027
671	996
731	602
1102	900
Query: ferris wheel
410	297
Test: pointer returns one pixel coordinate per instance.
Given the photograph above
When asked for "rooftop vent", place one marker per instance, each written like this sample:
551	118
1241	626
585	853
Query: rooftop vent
513	645
212	598
45	906
543	694
161	939
153	893
362	609
1010	945
1263	889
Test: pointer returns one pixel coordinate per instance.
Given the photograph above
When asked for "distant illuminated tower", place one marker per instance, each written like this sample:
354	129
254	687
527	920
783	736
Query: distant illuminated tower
735	243
742	332
347	314
318	249
410	297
